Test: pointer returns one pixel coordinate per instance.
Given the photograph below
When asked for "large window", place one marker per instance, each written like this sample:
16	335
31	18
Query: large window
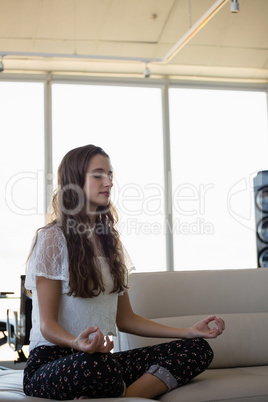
219	142
21	176
127	123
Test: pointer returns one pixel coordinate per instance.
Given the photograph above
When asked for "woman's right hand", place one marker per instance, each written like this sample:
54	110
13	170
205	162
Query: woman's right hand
99	344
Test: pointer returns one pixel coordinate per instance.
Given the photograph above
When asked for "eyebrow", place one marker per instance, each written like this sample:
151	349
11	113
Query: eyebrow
100	170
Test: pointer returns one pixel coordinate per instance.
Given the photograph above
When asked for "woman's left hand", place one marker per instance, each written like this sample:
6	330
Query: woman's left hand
202	330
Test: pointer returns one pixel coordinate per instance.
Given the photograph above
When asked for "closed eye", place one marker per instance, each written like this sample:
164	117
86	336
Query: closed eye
101	173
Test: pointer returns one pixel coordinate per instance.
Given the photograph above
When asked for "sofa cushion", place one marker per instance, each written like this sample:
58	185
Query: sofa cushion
243	343
247	384
183	293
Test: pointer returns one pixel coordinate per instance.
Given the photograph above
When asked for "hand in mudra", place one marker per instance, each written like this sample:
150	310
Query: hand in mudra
98	344
202	330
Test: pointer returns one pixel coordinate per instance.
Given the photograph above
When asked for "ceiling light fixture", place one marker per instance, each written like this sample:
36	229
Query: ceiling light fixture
193	30
146	72
234	6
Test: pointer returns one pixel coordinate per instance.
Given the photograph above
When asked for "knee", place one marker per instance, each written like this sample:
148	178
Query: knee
196	349
113	378
102	376
206	352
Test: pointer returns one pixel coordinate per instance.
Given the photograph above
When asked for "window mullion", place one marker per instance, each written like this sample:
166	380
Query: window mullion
167	180
48	166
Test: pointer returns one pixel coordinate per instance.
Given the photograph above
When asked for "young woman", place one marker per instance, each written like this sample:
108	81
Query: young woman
77	273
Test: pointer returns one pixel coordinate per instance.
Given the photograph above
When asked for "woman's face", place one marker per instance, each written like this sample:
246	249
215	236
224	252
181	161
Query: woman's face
98	182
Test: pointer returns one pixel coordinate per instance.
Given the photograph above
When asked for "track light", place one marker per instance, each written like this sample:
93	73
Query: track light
146	72
194	30
234	6
1	64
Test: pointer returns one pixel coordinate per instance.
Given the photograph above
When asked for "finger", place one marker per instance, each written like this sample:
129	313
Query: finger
108	346
89	348
209	319
218	328
220	323
213	333
94	344
109	342
220	319
99	346
100	335
99	340
88	331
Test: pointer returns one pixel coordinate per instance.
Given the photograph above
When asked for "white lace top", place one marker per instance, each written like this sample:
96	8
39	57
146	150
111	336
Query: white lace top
50	259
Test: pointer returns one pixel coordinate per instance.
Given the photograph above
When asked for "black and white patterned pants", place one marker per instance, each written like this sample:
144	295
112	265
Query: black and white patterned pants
54	372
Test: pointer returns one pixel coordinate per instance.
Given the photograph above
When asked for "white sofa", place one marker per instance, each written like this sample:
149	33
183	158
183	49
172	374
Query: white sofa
239	371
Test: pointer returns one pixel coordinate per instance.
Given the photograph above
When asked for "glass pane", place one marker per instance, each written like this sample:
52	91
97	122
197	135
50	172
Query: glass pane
21	176
127	123
218	143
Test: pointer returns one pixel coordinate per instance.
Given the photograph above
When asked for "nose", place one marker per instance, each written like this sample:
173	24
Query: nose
108	182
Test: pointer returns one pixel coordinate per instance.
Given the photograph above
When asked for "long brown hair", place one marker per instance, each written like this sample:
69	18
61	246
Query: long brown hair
69	205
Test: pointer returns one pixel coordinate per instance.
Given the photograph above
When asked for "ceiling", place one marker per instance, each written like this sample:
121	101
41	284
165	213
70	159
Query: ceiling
122	37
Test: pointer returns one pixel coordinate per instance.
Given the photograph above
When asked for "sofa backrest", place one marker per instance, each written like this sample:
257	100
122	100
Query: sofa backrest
182	298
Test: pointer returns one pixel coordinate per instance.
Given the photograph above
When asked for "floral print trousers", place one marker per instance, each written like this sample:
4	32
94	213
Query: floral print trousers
54	372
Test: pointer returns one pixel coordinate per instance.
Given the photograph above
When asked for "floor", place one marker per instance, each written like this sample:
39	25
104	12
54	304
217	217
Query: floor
8	358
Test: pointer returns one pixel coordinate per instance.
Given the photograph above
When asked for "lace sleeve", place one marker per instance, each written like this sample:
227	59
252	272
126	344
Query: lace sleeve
49	257
128	261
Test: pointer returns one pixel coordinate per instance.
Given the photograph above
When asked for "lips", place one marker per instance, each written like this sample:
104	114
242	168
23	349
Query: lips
105	193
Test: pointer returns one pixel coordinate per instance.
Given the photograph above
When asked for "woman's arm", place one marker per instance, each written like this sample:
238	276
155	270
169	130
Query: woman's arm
49	294
128	321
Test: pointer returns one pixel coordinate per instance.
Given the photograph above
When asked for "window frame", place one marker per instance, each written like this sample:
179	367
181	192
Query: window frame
164	84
